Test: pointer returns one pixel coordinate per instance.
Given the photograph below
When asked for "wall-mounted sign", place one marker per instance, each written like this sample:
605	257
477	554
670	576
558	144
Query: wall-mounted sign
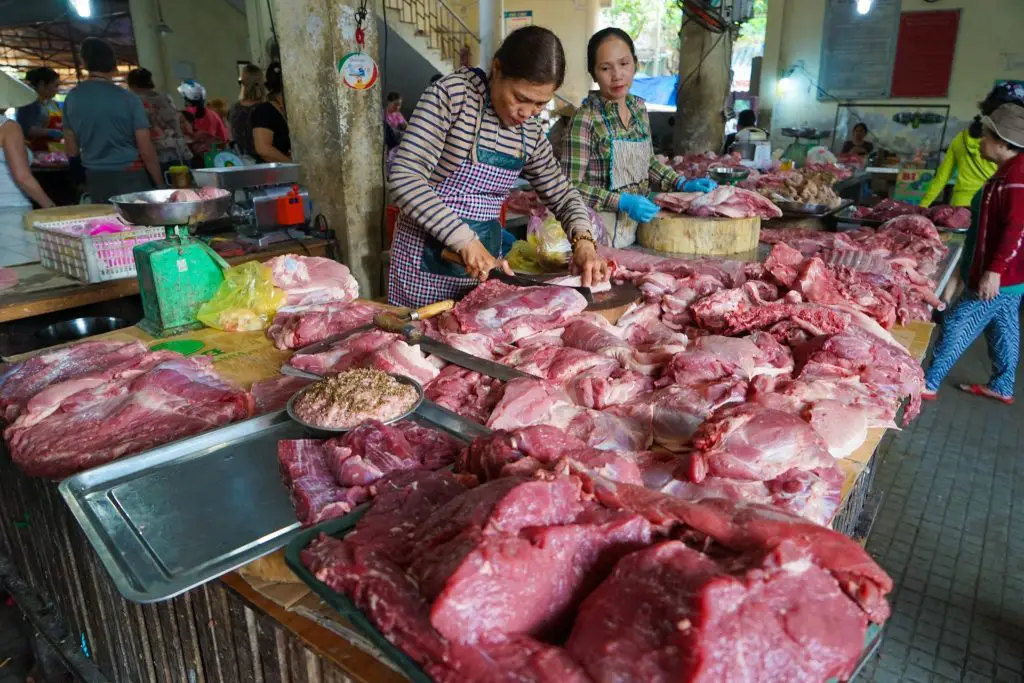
924	54
857	50
516	20
358	71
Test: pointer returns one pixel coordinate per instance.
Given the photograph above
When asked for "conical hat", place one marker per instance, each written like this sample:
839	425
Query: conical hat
14	93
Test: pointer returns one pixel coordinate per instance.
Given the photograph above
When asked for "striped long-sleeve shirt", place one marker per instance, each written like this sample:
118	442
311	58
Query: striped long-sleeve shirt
587	151
440	137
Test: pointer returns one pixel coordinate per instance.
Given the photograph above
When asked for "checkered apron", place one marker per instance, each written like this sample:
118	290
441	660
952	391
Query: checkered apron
630	164
475	191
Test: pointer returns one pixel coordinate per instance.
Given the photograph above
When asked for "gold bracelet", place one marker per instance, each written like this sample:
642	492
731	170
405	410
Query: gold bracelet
583	237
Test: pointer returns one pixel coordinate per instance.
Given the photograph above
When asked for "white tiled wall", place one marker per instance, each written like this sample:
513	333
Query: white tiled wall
16	245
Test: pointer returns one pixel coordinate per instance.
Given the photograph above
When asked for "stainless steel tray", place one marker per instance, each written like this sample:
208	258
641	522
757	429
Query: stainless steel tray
170	519
173	518
241	177
792	209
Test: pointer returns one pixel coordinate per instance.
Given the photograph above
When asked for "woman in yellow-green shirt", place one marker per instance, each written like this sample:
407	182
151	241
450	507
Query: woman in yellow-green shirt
963	154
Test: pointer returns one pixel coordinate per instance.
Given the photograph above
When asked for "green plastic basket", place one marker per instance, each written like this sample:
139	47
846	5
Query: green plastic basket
341	603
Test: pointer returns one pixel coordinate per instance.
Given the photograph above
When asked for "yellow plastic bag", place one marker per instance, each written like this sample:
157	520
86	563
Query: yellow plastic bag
548	238
245	302
523	258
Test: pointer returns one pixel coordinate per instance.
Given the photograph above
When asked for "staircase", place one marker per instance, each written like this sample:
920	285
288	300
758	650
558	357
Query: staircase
437	27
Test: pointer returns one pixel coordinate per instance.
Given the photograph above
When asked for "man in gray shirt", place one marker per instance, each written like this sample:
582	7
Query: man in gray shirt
107	125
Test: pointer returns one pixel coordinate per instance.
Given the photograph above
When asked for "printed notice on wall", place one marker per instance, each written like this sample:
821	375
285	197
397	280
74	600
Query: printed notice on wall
516	20
858	50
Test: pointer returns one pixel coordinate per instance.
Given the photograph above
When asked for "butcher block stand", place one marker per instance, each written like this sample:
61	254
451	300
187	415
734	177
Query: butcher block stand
257	624
696	236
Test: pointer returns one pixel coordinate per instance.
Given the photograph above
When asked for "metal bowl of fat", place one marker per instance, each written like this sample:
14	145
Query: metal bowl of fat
156	208
336	431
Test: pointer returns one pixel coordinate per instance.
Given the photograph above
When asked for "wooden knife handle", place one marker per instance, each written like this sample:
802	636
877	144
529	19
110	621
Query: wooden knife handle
389	322
430	310
452	257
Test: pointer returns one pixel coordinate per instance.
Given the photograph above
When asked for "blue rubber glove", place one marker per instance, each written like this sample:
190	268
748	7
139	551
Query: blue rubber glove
639	208
697	185
54	133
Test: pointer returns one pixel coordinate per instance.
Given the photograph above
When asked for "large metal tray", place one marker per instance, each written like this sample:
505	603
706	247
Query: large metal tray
342	604
173	518
241	177
792	209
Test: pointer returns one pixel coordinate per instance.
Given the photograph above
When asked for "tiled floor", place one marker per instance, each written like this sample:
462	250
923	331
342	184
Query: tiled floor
951	533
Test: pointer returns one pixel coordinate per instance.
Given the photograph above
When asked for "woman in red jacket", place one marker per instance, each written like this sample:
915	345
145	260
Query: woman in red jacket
995	280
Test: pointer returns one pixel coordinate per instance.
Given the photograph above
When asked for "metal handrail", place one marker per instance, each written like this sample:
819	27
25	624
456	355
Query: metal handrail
458	19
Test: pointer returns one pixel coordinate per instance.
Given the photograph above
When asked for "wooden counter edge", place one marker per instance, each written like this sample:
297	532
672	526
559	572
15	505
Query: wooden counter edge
18	307
355	662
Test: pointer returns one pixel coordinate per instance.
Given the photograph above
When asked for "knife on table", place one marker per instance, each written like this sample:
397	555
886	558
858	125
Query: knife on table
407	315
518	280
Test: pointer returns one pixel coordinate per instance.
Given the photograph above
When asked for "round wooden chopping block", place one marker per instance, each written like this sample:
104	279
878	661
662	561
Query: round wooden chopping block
697	236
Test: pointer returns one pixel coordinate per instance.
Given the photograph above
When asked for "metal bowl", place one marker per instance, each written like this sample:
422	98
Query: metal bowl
79	328
155	208
333	431
728	174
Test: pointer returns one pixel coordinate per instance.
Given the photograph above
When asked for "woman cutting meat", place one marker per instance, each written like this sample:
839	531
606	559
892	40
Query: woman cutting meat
471	136
607	152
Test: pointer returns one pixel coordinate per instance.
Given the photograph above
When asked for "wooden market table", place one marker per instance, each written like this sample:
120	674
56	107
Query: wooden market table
41	290
257	624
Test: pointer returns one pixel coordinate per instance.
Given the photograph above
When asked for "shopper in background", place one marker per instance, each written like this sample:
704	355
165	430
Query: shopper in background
17	184
271	139
41	120
746	130
393	115
253	91
208	126
164	121
108	126
858	144
995	271
964	153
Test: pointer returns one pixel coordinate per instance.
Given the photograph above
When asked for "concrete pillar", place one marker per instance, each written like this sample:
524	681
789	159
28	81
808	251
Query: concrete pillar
773	61
337	133
149	44
489	30
593	17
704	80
257	16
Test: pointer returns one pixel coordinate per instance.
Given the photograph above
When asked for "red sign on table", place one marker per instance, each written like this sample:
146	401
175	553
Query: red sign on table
924	53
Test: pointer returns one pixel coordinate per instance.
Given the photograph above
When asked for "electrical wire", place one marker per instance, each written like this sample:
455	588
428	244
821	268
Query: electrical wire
384	148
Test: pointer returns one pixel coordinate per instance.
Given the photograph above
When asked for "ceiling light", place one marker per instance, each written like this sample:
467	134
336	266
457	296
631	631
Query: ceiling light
83	8
864	6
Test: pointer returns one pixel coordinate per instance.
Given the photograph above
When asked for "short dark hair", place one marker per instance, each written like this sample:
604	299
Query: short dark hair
41	75
98	55
275	78
533	54
394	96
435	78
599	38
746	118
863	125
140	78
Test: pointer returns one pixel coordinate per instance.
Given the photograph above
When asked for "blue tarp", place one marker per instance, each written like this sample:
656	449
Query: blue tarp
656	89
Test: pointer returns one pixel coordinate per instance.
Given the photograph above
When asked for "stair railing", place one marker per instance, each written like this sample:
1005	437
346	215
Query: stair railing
440	25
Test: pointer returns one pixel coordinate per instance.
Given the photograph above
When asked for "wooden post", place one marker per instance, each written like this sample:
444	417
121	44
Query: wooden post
705	77
337	133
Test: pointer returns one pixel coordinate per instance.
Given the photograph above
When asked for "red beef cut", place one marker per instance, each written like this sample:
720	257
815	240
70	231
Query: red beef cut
955	217
297	328
669	613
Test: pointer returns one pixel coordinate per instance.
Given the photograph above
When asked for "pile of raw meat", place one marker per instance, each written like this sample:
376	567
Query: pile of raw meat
724	201
749	380
529	564
884	273
327	479
525	203
954	217
80	406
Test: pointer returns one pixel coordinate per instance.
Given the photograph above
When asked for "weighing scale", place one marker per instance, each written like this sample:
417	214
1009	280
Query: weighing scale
178	274
797	151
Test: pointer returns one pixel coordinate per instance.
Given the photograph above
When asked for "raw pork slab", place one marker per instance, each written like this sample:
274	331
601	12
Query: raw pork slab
273	394
309	280
173	399
19	382
298	328
508	313
377	349
468	393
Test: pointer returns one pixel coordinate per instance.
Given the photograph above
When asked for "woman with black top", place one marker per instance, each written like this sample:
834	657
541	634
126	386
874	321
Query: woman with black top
269	120
253	93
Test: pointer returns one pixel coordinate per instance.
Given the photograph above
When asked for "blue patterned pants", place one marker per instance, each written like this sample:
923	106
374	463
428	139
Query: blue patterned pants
1000	319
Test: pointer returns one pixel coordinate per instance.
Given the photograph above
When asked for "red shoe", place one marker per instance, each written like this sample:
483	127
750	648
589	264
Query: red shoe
929	395
985	392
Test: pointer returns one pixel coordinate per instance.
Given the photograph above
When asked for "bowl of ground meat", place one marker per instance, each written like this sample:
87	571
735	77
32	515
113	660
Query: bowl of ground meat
343	402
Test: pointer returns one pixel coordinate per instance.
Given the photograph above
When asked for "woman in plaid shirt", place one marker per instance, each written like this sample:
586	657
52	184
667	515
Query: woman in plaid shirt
470	138
607	152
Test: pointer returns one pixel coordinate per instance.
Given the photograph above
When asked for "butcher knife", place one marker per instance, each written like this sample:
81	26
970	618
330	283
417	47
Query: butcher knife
392	323
518	280
408	315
